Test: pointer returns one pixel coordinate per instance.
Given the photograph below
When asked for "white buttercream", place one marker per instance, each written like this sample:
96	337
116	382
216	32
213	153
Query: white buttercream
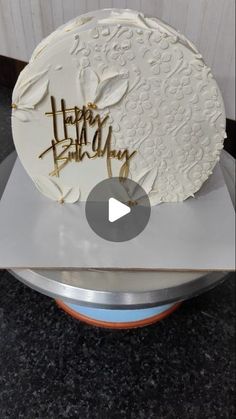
161	98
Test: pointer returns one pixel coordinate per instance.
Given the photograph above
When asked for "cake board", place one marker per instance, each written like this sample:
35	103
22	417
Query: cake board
196	235
85	289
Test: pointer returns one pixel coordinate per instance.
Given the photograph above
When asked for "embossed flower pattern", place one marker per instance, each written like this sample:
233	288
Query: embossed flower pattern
99	49
160	62
149	154
192	133
139	102
121	52
136	128
175	114
180	87
169	184
186	155
162	39
163	102
211	107
84	62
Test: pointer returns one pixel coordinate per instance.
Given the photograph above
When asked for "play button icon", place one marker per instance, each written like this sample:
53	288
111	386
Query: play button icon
117	209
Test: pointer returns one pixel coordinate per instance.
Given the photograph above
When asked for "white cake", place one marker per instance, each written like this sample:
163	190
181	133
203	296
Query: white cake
113	93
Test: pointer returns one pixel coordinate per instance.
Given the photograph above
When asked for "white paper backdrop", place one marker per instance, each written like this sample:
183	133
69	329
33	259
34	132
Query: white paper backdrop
210	24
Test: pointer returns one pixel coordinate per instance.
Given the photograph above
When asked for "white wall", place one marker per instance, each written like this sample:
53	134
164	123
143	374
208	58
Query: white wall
210	24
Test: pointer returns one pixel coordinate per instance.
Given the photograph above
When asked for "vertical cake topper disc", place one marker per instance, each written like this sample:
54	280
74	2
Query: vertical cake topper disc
117	94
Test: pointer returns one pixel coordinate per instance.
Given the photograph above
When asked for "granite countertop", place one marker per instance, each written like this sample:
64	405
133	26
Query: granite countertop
52	366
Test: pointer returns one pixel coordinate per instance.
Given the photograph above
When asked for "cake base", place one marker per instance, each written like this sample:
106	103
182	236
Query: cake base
117	319
195	235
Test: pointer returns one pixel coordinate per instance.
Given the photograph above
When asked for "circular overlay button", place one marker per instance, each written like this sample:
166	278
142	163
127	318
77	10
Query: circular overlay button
117	209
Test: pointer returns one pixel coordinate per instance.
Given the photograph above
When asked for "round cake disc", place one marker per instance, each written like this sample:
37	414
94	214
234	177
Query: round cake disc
113	93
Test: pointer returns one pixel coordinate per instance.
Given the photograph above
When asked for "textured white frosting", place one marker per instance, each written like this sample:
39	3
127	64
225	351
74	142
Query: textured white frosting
161	98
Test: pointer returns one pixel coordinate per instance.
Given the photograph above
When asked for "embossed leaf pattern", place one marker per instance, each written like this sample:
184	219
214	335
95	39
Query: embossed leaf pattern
154	197
21	115
75	46
103	93
147	180
48	187
131	191
32	98
110	91
87	83
28	93
24	85
72	195
53	191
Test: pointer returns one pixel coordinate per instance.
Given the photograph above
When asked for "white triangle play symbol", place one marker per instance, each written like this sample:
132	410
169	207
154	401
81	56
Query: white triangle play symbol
117	210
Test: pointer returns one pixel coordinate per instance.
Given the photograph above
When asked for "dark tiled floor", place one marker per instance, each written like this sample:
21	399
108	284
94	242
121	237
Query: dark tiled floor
52	366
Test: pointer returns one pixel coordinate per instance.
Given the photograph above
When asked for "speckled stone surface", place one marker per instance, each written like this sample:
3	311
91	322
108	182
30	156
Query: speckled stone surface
52	366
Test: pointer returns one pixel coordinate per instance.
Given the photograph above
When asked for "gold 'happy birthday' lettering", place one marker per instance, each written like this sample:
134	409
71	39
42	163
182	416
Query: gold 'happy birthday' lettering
67	149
